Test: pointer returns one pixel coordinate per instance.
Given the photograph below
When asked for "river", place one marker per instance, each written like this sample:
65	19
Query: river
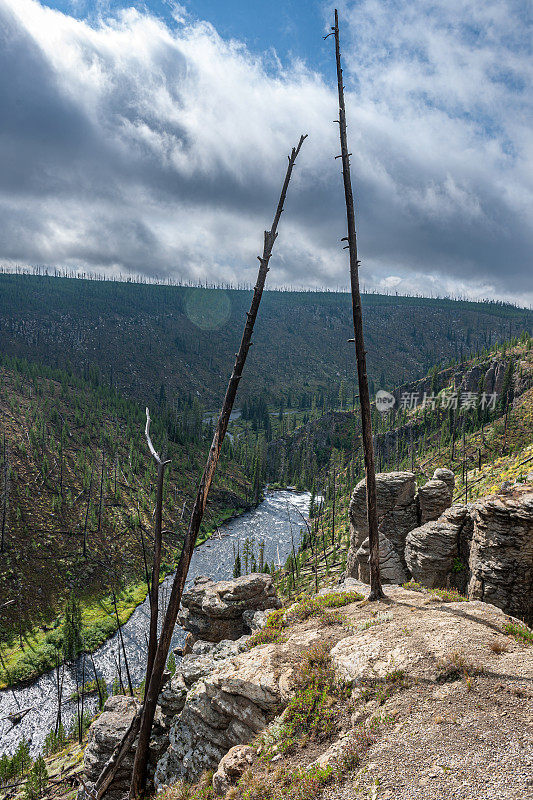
268	522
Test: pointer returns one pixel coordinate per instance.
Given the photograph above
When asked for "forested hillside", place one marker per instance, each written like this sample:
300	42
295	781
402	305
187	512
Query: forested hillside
77	500
164	342
418	433
487	445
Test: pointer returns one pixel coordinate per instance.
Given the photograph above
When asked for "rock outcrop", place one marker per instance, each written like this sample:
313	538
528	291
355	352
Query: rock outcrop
227	704
501	554
396	508
397	514
436	495
219	697
484	548
104	734
433	550
400	510
214	611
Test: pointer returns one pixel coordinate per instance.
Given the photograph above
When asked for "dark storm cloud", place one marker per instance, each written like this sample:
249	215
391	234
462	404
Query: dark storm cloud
128	146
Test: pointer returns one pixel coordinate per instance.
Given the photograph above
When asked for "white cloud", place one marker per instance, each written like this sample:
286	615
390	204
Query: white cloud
130	146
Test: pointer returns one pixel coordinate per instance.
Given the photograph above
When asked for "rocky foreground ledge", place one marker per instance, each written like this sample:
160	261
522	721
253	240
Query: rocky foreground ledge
423	695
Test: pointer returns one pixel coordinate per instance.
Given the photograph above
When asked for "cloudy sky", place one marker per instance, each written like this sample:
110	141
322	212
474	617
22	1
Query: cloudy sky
151	138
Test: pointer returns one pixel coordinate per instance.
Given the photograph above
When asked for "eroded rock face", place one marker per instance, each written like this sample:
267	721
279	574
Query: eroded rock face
400	510
501	555
214	611
436	495
484	549
228	706
104	734
397	514
391	568
432	549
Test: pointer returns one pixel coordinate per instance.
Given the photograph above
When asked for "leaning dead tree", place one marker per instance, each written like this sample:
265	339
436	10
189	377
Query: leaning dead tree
364	398
143	721
138	780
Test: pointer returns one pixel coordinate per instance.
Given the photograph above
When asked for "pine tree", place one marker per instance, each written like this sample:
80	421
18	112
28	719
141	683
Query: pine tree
37	779
171	664
72	627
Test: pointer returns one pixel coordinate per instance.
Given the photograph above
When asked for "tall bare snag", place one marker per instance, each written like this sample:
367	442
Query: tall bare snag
376	590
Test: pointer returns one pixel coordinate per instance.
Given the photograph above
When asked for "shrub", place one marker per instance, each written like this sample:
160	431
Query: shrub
454	667
498	647
521	632
310	713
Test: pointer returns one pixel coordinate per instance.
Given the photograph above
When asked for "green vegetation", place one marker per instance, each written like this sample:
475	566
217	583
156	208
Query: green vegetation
51	775
445	595
520	632
156	341
37	779
310	713
315	606
76	521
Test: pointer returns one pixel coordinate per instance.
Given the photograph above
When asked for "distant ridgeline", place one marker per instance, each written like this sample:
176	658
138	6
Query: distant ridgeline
167	342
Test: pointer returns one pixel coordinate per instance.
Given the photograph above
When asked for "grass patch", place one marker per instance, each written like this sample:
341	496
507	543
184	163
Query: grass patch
454	667
310	714
316	606
266	635
381	690
498	647
520	632
446	595
332	617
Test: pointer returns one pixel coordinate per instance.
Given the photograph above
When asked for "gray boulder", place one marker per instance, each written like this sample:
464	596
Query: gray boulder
391	568
432	548
206	657
231	768
214	611
104	734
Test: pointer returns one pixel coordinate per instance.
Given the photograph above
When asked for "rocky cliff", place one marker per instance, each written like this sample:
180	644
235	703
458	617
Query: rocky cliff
483	548
335	695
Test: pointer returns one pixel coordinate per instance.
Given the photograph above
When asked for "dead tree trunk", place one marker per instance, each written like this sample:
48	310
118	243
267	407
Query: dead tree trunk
156	563
376	590
87	512
333	507
4	503
138	780
126	665
100	503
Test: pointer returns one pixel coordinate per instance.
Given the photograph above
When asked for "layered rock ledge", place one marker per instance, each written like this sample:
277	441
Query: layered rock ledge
484	549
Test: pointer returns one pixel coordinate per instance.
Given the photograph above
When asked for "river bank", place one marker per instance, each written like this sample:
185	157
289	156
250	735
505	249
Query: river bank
270	522
19	666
